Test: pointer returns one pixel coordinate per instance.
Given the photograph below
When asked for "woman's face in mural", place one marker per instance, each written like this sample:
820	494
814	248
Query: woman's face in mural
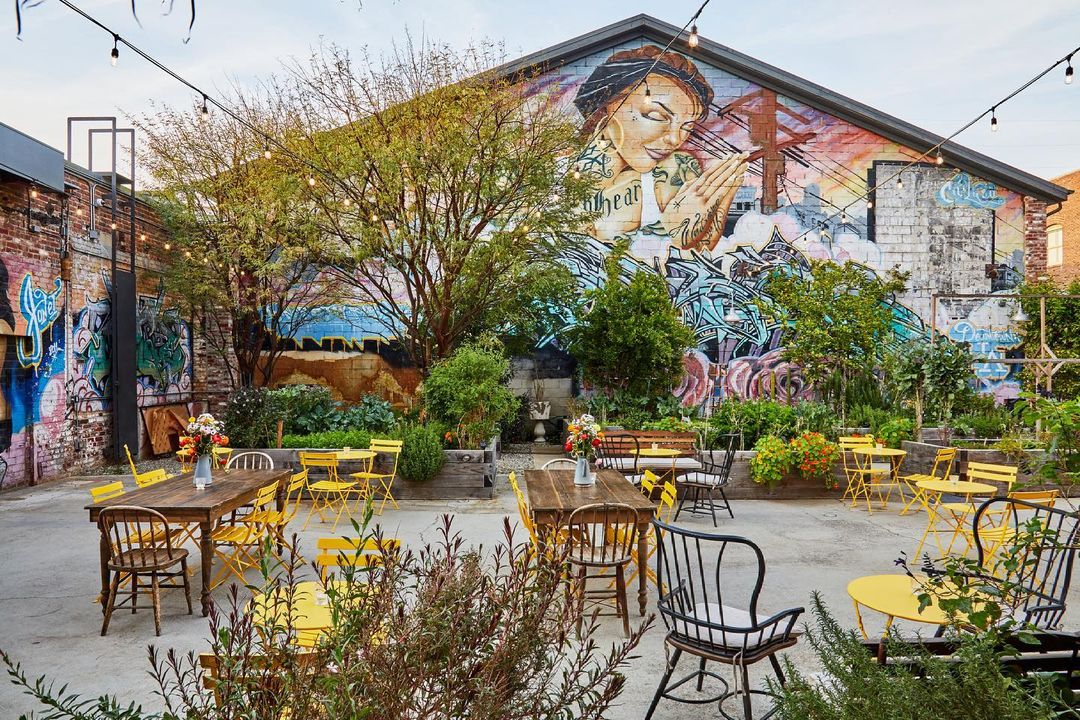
647	128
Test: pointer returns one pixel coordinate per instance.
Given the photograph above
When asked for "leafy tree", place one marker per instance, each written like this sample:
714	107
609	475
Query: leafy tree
931	374
628	337
247	254
448	194
1062	333
837	318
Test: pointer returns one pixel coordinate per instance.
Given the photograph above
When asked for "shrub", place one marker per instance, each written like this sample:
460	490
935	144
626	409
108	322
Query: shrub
671	424
754	419
774	458
328	439
467	391
422	454
855	687
895	431
814	456
995	423
817	417
306	408
251	418
371	413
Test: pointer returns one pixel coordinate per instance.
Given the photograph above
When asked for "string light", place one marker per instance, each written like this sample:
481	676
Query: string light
346	202
843	217
78	212
34	193
900	182
266	151
187	254
311	181
993	119
869	204
142	237
112	226
374	217
114	54
692	41
1068	70
205	110
168	246
577	174
940	160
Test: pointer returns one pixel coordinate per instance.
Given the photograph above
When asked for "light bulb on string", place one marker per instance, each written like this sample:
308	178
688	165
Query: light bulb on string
168	246
577	174
311	181
869	204
205	111
346	202
266	151
1068	70
648	93
993	120
940	160
843	216
114	54
34	193
374	217
692	41
899	182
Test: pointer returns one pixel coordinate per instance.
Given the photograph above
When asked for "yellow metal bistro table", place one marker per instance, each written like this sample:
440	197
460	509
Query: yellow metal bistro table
660	452
868	469
894	596
942	521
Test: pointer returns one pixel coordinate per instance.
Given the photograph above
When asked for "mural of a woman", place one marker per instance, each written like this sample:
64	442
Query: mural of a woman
645	103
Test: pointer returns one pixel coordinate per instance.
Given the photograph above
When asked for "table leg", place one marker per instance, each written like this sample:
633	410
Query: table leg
643	555
858	619
206	549
105	551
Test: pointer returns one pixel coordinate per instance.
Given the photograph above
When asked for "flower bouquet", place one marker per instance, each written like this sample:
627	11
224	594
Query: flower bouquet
582	444
204	433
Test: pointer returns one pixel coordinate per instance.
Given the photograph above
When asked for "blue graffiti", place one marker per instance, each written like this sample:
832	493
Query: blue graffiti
990	344
960	191
40	309
344	327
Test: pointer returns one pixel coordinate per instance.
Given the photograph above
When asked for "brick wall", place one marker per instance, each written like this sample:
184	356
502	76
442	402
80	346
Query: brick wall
1034	238
1068	217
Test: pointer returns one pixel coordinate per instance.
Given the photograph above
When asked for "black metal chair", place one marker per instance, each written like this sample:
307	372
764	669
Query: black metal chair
618	451
1040	577
699	486
712	620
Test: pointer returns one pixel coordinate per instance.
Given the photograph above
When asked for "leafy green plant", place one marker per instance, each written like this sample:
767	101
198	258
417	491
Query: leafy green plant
772	460
328	439
628	336
422	455
868	416
371	413
754	419
895	431
1062	332
671	424
305	408
1060	421
813	416
814	456
949	371
468	392
995	423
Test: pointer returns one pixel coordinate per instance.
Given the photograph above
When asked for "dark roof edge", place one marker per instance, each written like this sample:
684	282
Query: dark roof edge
774	78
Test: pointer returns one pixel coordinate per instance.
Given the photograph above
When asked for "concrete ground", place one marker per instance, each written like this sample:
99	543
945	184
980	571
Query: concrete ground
50	623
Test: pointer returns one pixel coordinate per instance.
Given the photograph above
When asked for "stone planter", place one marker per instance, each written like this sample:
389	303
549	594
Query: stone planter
465	474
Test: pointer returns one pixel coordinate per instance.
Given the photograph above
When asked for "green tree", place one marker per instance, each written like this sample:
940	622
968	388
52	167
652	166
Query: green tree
247	256
837	318
934	375
1062	333
628	337
448	195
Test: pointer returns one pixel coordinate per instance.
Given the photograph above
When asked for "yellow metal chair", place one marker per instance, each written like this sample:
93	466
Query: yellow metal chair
186	456
337	552
1000	476
107	491
664	510
942	468
648	483
373	484
221	456
854	470
997	528
131	461
151	477
237	544
329	494
276	521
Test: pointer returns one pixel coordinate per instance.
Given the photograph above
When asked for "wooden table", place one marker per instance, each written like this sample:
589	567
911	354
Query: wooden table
180	502
553	496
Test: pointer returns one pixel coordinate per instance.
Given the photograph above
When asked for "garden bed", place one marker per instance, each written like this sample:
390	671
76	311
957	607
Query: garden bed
792	487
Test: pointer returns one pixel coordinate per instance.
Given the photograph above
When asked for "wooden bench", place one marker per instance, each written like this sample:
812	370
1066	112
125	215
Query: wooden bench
1054	652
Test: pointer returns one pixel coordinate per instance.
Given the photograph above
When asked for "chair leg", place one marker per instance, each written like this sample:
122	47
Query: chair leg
778	670
620	601
134	591
110	602
748	708
156	591
727	503
682	501
712	505
701	675
663	682
187	584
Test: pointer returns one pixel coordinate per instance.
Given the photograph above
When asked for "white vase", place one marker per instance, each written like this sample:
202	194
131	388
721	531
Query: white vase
202	475
583	474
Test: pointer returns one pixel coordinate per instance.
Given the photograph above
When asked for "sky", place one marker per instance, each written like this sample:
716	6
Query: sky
934	63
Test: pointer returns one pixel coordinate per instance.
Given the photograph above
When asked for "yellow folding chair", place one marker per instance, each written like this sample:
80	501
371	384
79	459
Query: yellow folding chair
276	521
942	468
337	552
648	484
131	461
108	491
151	477
328	494
379	483
853	468
997	527
237	544
186	456
664	510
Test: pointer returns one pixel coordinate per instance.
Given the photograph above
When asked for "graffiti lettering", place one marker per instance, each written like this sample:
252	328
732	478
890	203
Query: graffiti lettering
40	309
960	191
987	343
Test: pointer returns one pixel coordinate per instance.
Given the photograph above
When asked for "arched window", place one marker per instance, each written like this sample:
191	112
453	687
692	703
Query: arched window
1054	246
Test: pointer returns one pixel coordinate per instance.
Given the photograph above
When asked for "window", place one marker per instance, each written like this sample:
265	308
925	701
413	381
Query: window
1054	246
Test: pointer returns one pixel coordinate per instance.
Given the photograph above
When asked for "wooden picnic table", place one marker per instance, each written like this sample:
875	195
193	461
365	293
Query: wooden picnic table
553	497
180	502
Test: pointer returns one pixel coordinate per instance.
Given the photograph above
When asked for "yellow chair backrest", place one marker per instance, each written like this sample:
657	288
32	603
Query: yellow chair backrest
648	483
107	491
131	461
850	442
386	446
514	483
265	495
943	462
992	473
344	552
150	477
1043	498
668	497
318	460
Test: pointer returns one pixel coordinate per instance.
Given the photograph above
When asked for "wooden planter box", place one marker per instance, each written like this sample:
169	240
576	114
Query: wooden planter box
793	487
465	474
920	459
